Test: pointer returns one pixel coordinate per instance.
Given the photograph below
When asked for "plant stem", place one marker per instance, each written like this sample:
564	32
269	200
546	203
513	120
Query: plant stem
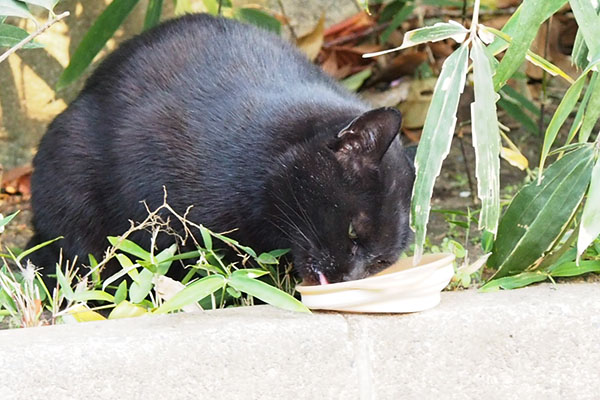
35	34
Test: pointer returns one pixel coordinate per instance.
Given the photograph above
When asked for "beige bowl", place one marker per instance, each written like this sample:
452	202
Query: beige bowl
400	288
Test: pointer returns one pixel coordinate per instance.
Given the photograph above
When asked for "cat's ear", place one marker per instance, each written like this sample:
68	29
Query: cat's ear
366	139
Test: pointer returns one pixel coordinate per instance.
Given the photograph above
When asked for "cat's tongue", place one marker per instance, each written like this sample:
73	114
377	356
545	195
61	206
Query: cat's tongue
322	279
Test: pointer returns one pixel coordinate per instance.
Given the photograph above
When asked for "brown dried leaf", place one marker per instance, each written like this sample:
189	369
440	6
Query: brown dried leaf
311	43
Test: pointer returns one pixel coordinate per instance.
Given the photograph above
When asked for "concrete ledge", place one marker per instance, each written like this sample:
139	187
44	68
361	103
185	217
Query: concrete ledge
537	342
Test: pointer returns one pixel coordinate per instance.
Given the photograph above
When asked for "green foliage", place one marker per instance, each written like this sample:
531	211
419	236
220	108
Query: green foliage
529	237
143	287
11	35
538	214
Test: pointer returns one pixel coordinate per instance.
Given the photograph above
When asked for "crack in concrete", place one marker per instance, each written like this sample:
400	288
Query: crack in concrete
359	337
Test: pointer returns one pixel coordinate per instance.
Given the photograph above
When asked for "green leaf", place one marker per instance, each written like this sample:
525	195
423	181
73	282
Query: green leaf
266	258
251	273
590	218
4	221
141	286
398	19
267	293
47	4
153	13
235	244
11	35
588	22
354	82
437	32
164	259
212	6
533	58
572	269
279	252
65	286
192	293
121	293
206	238
538	213
129	247
94	40
579	55
89	295
577	122
13	8
486	139
514	282
532	14
436	138
258	18
560	116
236	294
127	310
592	111
36	248
390	10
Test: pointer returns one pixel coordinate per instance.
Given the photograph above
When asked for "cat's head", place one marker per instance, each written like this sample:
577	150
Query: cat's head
343	199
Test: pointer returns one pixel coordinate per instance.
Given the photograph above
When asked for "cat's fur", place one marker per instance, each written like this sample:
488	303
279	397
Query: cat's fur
238	123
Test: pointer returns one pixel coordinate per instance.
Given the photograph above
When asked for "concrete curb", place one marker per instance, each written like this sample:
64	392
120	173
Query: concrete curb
537	342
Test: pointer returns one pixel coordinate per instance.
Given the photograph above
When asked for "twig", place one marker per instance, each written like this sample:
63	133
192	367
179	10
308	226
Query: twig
35	34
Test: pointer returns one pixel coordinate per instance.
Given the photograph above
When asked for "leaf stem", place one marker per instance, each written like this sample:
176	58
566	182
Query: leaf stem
35	34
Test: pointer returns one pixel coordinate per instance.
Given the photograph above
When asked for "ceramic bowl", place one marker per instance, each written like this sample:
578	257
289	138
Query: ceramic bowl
401	288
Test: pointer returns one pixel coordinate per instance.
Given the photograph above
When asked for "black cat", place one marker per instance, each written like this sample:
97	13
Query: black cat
238	123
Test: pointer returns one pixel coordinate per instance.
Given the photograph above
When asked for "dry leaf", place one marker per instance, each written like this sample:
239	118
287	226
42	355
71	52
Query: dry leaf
166	288
514	158
17	180
311	44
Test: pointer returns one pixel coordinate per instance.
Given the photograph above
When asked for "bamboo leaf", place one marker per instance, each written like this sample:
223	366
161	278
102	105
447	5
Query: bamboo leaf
435	33
129	247
258	18
532	14
13	8
82	313
267	293
141	286
538	213
153	13
590	218
486	139
5	220
578	121
579	55
588	22
192	293
592	110
11	35
571	268
127	310
560	116
94	40
47	4
435	139
514	282
354	82
88	295
397	20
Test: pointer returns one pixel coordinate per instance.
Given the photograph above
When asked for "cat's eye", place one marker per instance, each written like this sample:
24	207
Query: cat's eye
351	232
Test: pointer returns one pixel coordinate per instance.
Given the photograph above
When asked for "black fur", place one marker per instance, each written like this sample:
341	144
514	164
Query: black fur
235	121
